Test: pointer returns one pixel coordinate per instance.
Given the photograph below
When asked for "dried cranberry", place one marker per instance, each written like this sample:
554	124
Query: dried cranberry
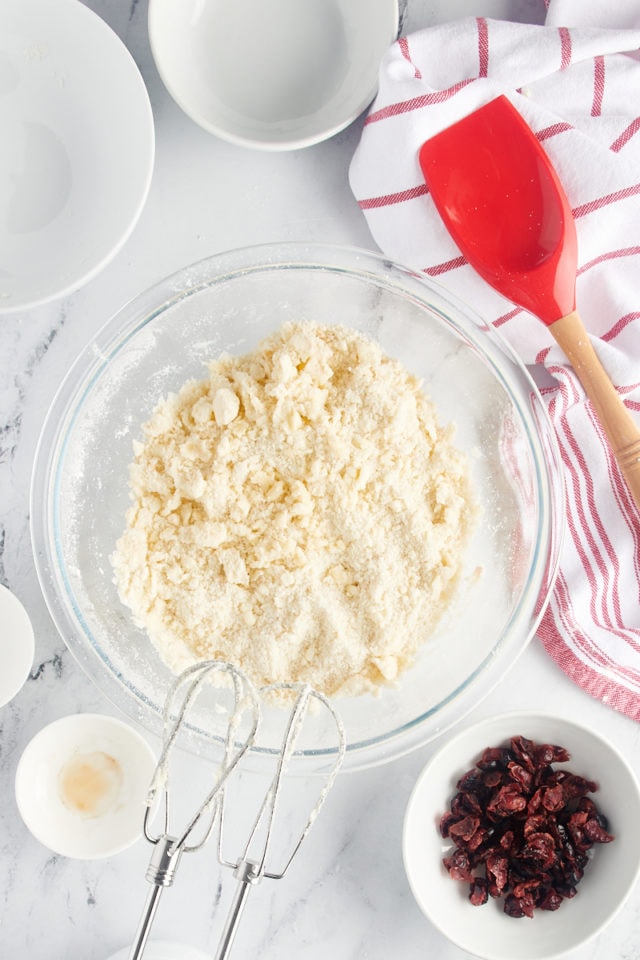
595	832
541	848
553	798
507	840
550	901
507	800
524	750
492	778
497	866
518	906
458	865
470	782
478	892
464	829
445	822
547	754
520	775
492	757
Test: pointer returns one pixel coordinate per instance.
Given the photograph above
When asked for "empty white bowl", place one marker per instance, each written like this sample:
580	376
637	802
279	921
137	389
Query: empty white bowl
277	75
81	785
486	930
77	148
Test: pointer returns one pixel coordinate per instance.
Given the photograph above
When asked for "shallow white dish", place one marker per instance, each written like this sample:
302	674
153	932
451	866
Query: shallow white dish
81	785
77	148
486	931
277	75
16	646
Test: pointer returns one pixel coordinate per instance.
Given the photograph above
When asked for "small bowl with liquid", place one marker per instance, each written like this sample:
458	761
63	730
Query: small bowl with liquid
82	783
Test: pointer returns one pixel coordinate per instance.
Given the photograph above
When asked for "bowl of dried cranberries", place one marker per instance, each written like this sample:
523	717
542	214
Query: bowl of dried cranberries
520	837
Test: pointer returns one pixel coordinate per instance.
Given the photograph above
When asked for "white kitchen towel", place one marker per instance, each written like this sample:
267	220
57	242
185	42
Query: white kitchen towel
578	87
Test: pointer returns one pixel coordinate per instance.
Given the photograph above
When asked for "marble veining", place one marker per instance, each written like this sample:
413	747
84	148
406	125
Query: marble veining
346	895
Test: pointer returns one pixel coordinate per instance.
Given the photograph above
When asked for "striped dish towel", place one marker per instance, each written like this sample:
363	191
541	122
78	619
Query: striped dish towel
579	89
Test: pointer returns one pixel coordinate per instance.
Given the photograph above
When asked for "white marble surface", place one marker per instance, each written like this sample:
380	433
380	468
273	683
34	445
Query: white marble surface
346	896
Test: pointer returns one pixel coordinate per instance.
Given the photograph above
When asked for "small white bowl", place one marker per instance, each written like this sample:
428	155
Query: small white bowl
81	785
487	931
277	75
16	646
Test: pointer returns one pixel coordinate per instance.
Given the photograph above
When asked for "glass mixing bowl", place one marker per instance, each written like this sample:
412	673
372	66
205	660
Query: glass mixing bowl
228	303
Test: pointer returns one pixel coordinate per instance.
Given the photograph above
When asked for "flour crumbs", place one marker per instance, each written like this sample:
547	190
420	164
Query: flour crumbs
299	512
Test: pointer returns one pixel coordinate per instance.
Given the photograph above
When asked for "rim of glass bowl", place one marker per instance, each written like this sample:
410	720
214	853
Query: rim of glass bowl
384	273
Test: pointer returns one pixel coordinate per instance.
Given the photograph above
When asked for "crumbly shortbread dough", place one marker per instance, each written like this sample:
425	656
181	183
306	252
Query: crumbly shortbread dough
300	512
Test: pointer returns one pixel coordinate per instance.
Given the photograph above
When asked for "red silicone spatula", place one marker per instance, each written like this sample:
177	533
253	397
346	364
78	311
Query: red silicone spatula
504	206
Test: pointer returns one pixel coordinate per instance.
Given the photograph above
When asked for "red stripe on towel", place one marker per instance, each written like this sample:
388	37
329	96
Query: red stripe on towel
598	86
439	268
565	47
403	43
599	202
483	47
553	130
416	103
619	326
387	200
626	135
609	255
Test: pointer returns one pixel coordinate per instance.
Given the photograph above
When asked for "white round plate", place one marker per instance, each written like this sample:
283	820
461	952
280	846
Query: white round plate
16	646
163	950
277	75
77	148
81	785
487	931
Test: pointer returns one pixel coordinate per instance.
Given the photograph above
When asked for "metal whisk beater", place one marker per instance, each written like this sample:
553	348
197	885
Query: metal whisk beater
251	866
169	847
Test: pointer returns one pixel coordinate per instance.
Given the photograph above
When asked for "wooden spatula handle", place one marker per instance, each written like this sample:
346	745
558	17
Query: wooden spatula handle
623	433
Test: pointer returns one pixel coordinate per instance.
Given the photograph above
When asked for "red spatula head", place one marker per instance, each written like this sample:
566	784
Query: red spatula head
504	206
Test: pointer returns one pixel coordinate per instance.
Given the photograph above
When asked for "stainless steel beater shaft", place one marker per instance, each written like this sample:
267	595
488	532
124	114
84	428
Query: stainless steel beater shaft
249	869
160	872
167	848
247	875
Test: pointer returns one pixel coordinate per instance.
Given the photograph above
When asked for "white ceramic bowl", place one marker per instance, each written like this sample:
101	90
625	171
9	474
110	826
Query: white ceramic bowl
77	148
81	785
276	75
229	303
486	930
17	646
